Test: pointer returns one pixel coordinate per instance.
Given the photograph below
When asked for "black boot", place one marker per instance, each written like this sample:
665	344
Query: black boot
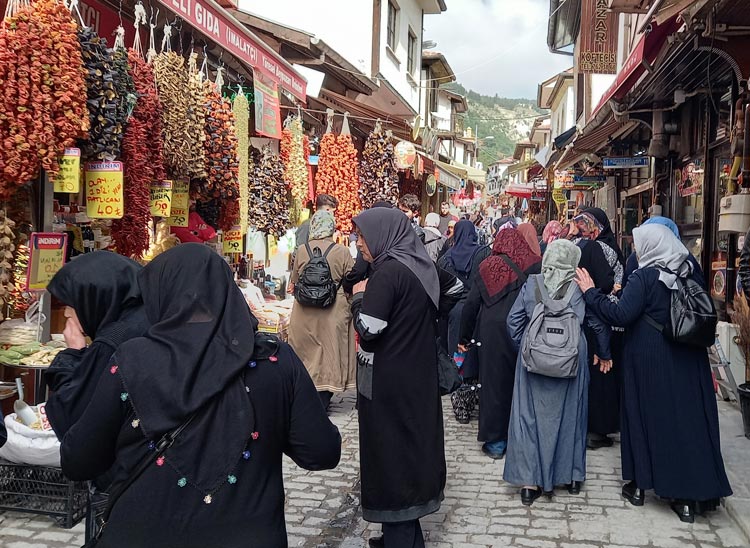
685	510
528	496
574	488
633	495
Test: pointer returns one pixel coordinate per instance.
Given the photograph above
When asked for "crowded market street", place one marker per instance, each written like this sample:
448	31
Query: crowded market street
479	511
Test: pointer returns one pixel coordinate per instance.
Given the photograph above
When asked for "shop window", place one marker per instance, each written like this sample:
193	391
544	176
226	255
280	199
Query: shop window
392	25
689	183
411	61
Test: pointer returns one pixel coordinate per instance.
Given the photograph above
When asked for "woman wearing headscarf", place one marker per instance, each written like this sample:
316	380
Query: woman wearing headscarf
551	232
237	398
484	318
670	423
433	240
102	299
604	389
402	457
528	232
631	264
547	435
323	338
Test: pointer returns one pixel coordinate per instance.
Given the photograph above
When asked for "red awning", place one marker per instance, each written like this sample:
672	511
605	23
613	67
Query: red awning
645	53
526	190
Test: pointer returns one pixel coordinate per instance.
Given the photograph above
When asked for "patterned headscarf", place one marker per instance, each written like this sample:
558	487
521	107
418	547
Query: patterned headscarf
496	276
552	231
322	225
587	224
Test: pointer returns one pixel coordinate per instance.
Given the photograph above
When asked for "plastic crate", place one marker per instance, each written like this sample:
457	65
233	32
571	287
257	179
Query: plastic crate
42	490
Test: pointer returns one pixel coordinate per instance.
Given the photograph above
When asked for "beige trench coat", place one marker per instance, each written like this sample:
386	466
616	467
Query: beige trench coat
323	338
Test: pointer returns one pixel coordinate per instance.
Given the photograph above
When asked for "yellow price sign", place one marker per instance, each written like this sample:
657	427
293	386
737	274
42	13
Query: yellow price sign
104	198
559	196
161	199
47	256
233	240
68	179
180	210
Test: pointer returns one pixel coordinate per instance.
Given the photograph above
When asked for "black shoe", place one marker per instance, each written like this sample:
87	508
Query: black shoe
377	542
528	496
684	510
595	443
633	495
574	488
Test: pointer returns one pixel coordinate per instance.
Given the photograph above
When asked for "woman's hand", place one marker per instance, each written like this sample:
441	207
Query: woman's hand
462	349
359	287
583	279
74	338
604	365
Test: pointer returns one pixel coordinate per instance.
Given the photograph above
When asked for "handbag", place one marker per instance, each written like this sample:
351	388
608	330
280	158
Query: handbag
166	441
448	378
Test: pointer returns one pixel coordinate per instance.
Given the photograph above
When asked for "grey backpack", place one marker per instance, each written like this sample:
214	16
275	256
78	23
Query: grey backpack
550	344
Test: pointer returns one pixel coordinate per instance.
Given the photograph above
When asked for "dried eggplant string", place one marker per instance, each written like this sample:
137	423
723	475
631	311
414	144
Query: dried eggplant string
269	208
378	174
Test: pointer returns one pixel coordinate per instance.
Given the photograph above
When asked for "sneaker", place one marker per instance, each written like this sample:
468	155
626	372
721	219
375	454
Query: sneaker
495	450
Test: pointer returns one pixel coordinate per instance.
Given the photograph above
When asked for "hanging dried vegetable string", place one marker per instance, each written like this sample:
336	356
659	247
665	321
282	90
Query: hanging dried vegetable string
295	165
196	120
378	175
337	174
269	209
241	110
43	97
142	153
7	247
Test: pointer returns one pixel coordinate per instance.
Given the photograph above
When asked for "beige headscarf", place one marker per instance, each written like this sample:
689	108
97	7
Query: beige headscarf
559	266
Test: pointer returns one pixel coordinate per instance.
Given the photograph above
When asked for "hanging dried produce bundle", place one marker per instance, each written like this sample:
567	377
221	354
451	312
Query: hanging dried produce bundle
43	93
196	120
241	110
210	211
20	298
7	248
124	86
105	135
269	208
337	176
295	163
222	164
378	175
172	82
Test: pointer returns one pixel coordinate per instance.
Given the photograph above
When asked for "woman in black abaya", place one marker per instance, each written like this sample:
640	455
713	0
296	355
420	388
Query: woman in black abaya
402	457
242	397
104	302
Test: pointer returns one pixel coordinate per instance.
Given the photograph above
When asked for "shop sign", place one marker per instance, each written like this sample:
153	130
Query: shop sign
46	257
431	185
559	196
563	178
590	179
104	197
598	46
219	26
161	199
267	112
68	179
406	154
232	240
719	281
689	180
180	210
625	162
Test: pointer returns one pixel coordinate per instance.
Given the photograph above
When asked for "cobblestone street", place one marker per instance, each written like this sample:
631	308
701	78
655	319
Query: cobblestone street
480	510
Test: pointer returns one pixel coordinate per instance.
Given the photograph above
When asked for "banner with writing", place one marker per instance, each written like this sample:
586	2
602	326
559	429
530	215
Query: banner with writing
161	199
104	199
233	240
180	210
598	46
46	257
68	179
267	113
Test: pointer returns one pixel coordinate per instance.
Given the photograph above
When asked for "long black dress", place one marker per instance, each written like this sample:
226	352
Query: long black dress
670	423
604	388
402	456
496	356
159	510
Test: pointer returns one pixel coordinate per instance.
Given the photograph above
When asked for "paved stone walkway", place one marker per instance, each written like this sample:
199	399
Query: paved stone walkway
480	510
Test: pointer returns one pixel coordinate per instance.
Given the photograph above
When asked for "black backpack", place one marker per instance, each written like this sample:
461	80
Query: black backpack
692	315
315	286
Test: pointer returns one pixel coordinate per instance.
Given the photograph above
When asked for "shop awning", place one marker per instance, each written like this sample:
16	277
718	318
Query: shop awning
526	190
520	166
449	176
476	176
640	60
218	25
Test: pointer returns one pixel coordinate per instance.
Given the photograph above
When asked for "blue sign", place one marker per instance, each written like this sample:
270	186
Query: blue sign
601	179
626	162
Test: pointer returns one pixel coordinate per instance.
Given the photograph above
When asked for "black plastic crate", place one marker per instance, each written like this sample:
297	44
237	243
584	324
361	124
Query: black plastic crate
42	490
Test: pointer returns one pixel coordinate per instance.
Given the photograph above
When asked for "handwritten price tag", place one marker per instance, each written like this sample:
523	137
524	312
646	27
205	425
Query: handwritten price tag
180	210
104	199
161	199
233	240
47	257
68	179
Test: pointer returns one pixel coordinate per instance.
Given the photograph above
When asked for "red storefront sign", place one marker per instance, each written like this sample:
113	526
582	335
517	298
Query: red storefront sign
212	21
105	21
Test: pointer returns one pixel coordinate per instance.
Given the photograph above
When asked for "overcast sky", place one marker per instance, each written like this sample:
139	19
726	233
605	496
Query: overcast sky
496	46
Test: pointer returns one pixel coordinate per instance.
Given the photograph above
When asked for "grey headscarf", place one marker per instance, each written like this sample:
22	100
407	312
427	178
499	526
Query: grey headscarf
388	233
559	266
657	247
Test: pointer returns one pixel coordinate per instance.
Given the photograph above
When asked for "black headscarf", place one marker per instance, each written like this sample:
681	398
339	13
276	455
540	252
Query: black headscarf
465	245
388	233
99	287
191	361
606	235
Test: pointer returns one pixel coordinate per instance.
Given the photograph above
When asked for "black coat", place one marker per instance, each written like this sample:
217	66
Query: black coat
744	269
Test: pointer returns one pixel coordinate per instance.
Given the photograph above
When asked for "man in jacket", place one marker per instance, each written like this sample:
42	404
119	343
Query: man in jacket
410	205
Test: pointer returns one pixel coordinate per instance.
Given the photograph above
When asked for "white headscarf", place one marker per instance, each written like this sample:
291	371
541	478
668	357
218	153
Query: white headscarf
559	266
432	222
657	247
